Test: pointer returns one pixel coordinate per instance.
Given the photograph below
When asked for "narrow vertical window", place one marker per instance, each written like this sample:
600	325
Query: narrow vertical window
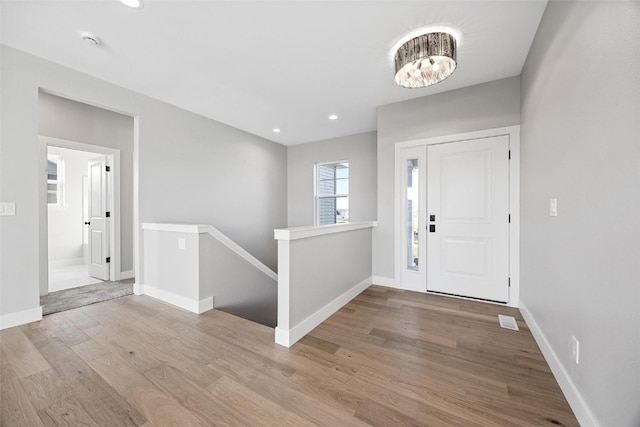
413	215
332	193
54	181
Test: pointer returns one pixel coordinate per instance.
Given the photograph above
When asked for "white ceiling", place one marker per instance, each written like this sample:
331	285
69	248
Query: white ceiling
259	65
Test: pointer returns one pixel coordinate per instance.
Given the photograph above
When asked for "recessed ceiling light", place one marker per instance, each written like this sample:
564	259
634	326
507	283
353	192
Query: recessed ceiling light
89	38
333	117
276	130
136	4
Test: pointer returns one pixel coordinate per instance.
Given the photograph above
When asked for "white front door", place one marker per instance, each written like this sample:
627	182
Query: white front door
468	218
98	220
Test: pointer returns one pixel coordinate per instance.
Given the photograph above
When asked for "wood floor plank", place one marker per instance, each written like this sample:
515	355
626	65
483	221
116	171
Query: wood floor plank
158	407
46	388
66	412
15	406
88	389
191	396
294	400
255	408
389	357
21	353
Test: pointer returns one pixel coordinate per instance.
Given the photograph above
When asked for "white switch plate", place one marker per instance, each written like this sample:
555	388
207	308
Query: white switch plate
553	207
182	243
7	208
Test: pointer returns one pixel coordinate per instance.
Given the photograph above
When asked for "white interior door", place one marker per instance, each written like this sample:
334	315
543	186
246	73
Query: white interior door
98	220
468	218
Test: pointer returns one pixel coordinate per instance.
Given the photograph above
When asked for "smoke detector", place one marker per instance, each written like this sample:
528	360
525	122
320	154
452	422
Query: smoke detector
89	38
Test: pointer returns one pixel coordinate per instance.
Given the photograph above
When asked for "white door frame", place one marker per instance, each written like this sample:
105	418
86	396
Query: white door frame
113	177
513	132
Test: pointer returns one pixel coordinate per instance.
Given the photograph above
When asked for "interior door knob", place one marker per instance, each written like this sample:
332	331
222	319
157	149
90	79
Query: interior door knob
87	223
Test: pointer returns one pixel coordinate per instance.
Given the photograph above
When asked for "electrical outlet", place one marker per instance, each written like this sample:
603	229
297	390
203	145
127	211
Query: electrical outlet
576	350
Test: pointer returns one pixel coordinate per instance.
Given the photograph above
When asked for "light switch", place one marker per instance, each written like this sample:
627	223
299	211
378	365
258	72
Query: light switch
7	208
553	207
182	243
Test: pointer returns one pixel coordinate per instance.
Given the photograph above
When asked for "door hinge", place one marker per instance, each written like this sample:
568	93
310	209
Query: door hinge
108	259
108	168
509	154
509	281
509	218
107	214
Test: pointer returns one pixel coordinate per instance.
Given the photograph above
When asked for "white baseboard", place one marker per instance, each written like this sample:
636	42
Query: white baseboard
188	304
289	337
580	408
124	275
66	262
389	282
20	317
205	305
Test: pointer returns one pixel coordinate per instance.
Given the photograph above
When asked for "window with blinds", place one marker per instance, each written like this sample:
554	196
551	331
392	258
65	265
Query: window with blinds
332	193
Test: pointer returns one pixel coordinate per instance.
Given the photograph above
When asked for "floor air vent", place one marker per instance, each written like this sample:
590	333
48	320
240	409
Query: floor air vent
508	322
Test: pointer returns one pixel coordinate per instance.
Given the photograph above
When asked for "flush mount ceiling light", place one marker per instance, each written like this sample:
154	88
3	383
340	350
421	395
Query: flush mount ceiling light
425	60
276	130
333	117
136	4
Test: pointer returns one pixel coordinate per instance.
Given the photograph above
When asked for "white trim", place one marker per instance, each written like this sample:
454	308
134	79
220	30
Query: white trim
20	317
205	305
113	160
216	234
289	337
312	231
513	132
389	282
188	304
514	211
484	133
175	228
138	289
129	274
581	410
66	262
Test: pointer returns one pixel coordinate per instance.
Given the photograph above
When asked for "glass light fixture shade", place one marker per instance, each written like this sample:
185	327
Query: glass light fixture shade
425	60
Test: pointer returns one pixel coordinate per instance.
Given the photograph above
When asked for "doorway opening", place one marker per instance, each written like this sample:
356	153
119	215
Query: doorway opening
69	184
83	223
101	242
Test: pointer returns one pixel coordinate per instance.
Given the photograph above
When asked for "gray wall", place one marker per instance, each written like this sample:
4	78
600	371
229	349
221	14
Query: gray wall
580	143
322	268
484	106
191	169
236	286
359	149
200	171
74	121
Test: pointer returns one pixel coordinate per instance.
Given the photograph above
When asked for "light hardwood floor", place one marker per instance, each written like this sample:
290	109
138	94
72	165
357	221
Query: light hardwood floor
388	358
